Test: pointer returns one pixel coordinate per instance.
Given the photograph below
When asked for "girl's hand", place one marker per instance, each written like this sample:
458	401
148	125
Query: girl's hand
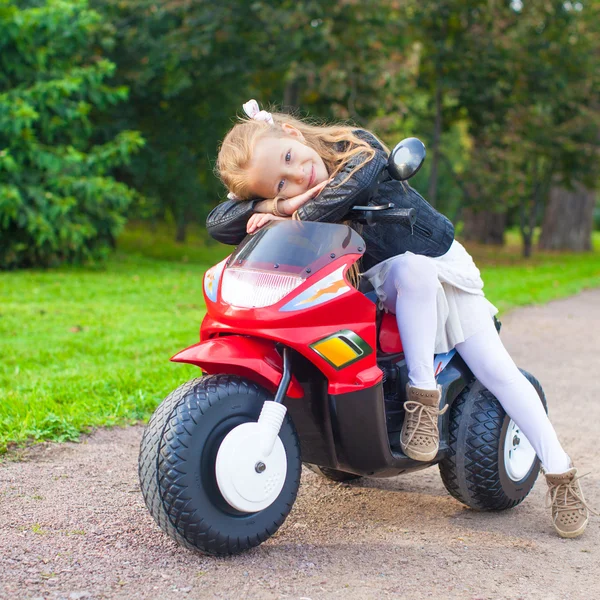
290	205
258	220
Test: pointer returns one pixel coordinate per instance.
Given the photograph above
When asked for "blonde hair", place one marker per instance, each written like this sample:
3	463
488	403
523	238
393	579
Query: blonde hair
237	148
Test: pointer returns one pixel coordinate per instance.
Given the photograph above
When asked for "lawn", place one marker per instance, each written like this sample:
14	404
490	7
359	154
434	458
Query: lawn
86	347
511	281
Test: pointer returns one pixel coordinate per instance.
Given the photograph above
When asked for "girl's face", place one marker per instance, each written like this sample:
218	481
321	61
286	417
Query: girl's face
285	166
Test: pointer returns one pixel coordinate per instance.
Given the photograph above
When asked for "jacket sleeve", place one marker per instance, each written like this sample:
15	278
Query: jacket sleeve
333	203
227	221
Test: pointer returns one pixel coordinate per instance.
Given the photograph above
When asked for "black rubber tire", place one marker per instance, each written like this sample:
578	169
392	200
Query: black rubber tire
177	458
148	460
474	472
332	474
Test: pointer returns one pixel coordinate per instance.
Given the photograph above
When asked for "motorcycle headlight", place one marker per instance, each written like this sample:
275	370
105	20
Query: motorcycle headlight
250	288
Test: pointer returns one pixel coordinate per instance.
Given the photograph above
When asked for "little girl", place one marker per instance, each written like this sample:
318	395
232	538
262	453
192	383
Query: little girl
277	167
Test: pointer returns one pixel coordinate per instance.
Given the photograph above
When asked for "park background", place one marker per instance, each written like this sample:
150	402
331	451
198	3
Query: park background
111	112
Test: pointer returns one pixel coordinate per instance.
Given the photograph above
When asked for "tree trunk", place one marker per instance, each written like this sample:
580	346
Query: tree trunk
528	219
527	243
435	146
181	232
290	97
484	226
530	208
568	220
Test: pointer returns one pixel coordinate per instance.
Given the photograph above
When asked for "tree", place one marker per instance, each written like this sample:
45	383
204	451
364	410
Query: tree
484	226
484	81
568	219
191	65
551	129
444	37
57	200
529	88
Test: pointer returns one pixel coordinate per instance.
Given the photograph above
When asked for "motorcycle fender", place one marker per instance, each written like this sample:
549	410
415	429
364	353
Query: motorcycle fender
253	358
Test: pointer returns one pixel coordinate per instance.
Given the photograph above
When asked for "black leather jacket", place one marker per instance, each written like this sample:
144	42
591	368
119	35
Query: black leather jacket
431	235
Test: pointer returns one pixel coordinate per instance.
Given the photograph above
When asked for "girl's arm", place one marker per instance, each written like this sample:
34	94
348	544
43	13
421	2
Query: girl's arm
259	220
333	203
227	221
231	220
288	206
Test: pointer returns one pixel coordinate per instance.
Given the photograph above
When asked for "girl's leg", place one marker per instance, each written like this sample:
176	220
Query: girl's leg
411	288
486	356
492	365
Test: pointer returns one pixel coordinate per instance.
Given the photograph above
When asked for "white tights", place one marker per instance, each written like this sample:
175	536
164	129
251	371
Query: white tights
411	288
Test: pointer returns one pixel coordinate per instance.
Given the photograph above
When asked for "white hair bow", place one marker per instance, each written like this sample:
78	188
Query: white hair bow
253	111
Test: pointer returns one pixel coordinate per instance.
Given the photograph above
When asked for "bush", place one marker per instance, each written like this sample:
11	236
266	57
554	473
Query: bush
58	202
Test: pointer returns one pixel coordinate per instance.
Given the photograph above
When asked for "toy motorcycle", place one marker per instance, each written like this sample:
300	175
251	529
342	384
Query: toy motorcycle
300	366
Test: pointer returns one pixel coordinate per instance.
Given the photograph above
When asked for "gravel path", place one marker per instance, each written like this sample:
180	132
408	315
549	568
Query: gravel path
73	524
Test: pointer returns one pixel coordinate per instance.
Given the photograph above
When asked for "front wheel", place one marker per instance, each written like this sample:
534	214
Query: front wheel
491	466
177	466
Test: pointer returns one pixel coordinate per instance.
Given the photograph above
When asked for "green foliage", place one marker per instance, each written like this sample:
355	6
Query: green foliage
52	427
503	93
530	86
186	64
58	201
158	243
524	79
553	125
90	347
191	65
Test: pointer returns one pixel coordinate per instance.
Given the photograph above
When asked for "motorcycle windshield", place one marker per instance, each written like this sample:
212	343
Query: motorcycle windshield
298	248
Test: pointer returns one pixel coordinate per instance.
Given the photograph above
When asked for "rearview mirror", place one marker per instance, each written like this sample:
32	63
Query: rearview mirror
406	159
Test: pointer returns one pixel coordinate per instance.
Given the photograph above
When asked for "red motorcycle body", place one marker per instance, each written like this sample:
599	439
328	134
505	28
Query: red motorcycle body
336	394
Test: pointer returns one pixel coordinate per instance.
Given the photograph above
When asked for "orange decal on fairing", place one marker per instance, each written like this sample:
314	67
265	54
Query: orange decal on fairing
336	286
210	278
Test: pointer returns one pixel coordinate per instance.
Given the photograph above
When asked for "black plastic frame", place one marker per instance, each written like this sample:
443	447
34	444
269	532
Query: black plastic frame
348	432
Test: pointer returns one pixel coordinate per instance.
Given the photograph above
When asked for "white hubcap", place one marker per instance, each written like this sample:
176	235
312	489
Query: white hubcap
249	480
519	454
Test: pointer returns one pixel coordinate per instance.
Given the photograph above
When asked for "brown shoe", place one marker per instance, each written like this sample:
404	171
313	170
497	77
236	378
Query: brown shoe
570	513
420	437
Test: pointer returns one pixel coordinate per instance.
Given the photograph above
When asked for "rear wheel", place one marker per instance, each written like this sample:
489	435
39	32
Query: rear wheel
177	466
492	466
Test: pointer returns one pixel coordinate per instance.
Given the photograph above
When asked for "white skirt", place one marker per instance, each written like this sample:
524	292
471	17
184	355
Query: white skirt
462	307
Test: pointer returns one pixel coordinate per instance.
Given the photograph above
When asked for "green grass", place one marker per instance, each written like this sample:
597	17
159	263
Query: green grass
157	242
84	347
511	281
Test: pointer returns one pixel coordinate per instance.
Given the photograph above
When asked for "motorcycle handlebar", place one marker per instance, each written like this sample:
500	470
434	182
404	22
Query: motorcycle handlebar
403	216
375	214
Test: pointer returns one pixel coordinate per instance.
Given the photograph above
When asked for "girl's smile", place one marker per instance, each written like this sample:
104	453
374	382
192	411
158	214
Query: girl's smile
285	166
